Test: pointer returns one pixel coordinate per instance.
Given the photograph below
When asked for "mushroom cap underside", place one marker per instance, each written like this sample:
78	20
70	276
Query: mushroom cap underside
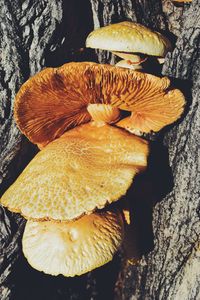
84	169
73	248
129	37
56	100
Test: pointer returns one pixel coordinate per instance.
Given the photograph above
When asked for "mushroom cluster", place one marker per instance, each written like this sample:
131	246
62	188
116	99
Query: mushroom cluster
82	116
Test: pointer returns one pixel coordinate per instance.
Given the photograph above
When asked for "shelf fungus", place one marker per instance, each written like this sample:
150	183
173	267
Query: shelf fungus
131	41
73	248
80	116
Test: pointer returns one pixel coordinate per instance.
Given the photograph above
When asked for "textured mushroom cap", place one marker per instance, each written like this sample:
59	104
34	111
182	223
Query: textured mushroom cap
86	168
73	248
56	100
128	37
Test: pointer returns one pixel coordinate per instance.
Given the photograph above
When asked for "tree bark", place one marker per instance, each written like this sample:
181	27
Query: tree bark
171	269
37	34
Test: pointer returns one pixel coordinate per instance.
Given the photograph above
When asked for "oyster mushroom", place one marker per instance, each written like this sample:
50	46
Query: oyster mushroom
86	168
73	248
127	38
56	100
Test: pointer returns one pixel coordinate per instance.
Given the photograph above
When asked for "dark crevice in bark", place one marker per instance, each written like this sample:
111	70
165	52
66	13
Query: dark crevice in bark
70	34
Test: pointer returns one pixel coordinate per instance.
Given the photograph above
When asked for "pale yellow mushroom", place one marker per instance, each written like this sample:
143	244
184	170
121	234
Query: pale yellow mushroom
73	248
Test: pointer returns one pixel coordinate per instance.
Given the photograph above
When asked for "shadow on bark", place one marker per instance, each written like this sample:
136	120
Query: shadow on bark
78	21
147	190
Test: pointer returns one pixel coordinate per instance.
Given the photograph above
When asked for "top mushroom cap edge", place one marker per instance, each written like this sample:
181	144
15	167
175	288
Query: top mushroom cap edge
129	37
56	99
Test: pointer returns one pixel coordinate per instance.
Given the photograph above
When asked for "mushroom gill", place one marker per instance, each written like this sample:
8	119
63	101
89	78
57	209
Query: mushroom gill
56	100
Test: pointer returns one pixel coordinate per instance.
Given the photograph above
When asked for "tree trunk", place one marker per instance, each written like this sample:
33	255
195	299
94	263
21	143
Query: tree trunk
165	201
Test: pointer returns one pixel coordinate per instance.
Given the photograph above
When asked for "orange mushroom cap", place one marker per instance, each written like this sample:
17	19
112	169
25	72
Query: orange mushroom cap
56	100
73	248
84	169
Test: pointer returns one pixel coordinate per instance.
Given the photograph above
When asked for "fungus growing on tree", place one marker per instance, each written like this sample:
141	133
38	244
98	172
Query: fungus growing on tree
126	39
87	162
56	100
76	247
84	169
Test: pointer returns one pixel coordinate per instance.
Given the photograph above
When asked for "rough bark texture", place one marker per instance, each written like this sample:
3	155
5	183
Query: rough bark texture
171	269
35	34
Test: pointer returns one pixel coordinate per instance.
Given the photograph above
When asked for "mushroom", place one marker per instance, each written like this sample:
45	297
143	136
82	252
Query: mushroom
85	163
86	168
56	100
73	248
126	38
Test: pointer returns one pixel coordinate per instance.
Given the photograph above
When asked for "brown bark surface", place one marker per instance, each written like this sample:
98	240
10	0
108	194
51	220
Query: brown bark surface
165	201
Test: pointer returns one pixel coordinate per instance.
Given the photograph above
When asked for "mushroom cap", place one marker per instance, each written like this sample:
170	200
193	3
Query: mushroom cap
153	116
73	248
181	0
129	37
84	169
56	100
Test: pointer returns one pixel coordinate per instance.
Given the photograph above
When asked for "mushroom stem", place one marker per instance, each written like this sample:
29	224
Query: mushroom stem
161	60
103	113
133	58
128	64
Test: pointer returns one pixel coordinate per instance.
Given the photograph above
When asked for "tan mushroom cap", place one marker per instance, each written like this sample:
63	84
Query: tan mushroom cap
73	248
83	170
56	100
129	37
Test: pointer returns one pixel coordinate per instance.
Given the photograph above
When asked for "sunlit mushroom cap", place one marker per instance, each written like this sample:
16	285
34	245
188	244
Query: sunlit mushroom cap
181	0
84	169
56	100
129	37
73	248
